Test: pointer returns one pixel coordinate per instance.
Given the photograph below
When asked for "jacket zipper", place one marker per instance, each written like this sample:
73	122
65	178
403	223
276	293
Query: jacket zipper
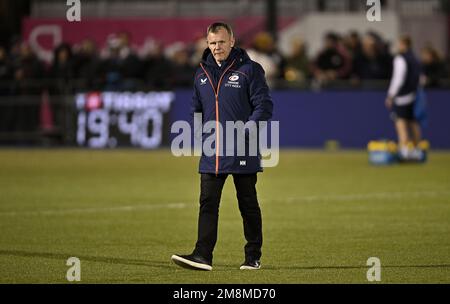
216	93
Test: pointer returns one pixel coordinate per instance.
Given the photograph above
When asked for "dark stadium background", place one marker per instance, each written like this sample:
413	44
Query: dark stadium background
158	44
86	170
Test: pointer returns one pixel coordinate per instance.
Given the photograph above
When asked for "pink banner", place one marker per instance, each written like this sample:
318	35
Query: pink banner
44	34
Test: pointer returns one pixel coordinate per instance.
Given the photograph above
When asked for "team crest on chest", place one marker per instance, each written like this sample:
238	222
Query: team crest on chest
233	77
233	81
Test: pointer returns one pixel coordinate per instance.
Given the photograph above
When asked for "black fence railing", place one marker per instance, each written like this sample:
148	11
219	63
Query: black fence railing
36	119
41	111
60	86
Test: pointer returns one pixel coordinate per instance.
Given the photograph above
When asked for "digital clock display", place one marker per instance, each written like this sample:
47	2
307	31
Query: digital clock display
110	119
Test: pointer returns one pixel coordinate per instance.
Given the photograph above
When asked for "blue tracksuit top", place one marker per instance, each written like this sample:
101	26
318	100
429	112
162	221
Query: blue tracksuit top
235	91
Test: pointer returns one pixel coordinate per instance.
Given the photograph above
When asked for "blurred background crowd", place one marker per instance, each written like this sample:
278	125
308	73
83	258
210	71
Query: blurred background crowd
351	58
156	45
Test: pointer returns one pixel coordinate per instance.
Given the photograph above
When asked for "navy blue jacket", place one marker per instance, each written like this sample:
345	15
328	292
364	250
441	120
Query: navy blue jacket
412	75
235	91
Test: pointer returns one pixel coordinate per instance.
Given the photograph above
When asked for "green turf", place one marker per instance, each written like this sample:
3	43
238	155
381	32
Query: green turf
125	212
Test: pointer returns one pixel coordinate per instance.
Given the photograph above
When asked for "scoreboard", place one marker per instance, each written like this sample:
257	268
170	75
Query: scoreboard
114	119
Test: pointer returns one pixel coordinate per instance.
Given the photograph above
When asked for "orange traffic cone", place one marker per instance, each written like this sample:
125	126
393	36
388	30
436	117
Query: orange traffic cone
46	113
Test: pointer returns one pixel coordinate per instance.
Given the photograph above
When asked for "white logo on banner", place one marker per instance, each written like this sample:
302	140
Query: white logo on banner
45	30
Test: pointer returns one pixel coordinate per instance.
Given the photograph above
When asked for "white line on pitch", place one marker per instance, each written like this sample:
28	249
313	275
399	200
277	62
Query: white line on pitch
354	197
310	198
94	210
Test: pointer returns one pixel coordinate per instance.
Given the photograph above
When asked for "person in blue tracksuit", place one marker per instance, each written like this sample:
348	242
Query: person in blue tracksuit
228	87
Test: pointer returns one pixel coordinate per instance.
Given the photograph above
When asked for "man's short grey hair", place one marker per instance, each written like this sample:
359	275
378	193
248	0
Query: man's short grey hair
215	27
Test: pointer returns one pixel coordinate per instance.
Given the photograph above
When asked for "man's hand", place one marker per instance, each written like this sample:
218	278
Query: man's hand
389	102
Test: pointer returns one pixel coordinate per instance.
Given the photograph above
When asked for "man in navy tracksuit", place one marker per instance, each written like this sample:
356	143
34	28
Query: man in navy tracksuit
228	87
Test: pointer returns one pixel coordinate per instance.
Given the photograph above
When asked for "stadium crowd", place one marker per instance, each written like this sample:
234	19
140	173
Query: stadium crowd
120	65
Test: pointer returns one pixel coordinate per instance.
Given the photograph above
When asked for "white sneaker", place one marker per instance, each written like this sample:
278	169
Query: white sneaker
251	265
416	154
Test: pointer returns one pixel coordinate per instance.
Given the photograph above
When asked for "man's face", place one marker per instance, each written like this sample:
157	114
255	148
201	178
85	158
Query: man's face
369	46
220	44
401	47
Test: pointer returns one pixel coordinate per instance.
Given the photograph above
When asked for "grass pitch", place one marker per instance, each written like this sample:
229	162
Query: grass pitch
123	213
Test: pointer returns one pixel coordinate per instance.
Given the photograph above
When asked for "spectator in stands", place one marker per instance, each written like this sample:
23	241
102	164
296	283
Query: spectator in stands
372	62
26	67
297	64
130	64
62	73
383	48
198	49
5	76
62	67
14	49
157	68
87	64
352	42
182	71
264	52
333	62
110	67
122	67
382	45
26	70
433	67
5	66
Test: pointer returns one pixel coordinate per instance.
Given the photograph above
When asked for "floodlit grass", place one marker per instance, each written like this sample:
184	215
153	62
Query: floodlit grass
123	213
